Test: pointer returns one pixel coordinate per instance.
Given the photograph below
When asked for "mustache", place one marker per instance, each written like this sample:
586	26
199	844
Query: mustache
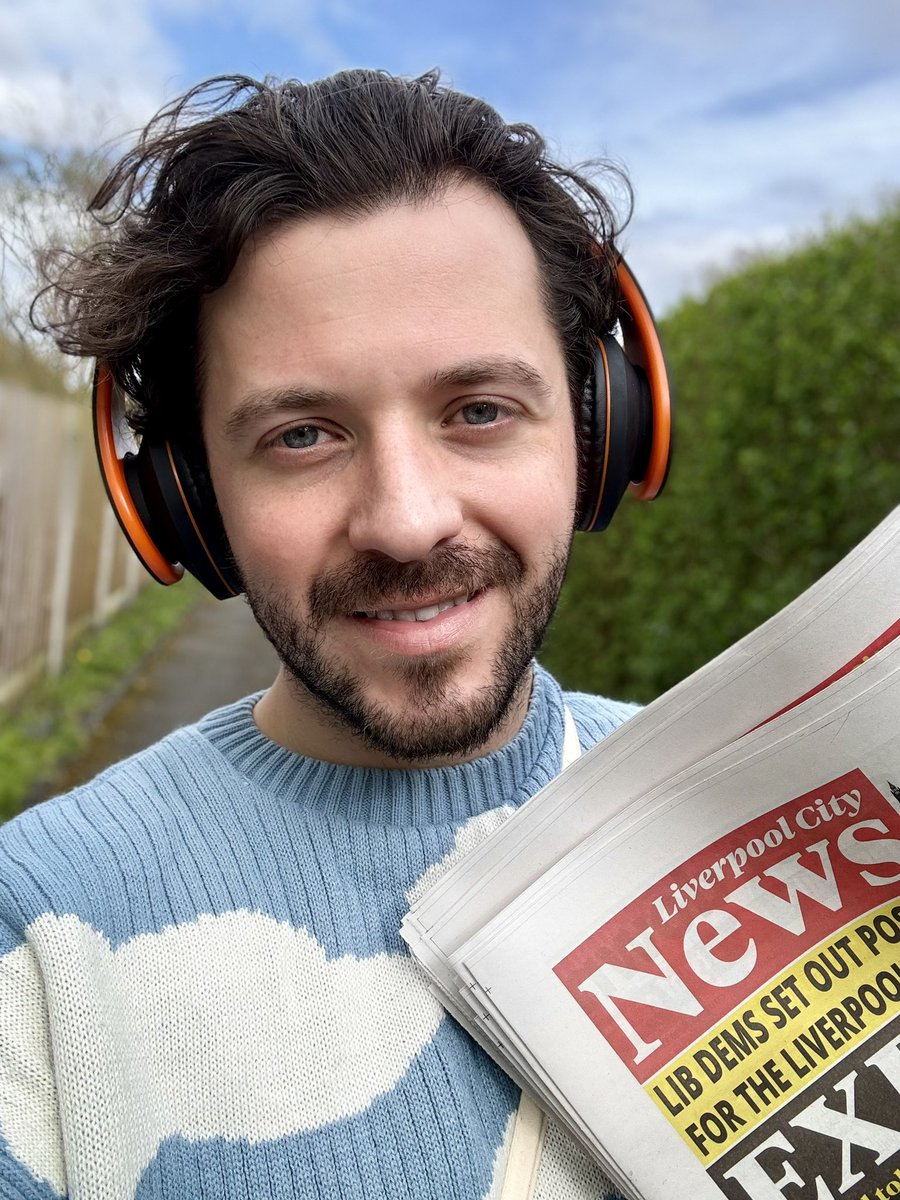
366	584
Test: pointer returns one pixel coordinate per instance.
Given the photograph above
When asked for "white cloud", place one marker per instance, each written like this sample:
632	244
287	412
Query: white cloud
299	1057
79	71
741	129
758	182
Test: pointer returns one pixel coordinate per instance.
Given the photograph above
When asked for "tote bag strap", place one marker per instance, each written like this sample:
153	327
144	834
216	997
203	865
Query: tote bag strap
524	1151
530	1124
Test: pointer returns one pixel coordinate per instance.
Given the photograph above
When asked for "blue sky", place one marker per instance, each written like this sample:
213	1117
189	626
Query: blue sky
744	126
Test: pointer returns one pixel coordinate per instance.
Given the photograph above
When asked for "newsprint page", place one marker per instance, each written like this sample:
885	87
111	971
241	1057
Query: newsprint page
705	988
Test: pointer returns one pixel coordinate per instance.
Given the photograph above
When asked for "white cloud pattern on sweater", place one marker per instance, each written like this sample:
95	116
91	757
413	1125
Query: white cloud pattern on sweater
152	1039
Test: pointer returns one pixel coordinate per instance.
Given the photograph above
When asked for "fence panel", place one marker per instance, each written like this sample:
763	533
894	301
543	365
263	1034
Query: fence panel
63	562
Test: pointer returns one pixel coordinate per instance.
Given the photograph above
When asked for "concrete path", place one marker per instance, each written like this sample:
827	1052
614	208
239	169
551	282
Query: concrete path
218	655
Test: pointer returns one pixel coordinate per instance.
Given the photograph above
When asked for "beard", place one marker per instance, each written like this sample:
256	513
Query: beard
437	721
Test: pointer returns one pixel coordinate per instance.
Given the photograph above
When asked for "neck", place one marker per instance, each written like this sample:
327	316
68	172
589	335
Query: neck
292	717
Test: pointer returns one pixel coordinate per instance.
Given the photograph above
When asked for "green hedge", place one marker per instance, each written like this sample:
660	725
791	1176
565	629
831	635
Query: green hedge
787	380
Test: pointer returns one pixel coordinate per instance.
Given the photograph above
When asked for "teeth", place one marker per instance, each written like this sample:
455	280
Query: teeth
419	614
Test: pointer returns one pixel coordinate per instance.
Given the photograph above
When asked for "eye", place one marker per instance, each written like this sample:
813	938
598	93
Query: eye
301	437
482	412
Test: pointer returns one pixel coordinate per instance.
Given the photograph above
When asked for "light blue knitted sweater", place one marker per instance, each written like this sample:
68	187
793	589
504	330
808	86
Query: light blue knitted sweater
202	988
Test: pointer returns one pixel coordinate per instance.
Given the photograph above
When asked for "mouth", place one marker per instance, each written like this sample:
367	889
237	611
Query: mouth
426	612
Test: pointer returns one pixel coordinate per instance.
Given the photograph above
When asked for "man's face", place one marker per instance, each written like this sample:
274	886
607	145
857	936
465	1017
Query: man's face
389	431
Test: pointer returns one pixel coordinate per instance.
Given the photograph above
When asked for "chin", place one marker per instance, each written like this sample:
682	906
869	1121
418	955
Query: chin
415	708
425	714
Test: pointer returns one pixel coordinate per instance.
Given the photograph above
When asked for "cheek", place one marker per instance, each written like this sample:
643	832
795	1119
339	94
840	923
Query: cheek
555	475
538	511
272	547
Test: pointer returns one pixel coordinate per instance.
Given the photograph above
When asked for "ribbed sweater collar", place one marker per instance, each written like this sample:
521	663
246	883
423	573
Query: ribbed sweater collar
434	796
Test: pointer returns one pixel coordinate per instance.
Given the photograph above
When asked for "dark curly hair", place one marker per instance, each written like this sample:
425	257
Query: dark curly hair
234	156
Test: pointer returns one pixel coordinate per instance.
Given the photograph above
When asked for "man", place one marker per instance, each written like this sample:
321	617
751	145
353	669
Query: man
363	312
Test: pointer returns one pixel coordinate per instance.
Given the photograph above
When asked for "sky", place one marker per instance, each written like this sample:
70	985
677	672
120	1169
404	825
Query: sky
744	126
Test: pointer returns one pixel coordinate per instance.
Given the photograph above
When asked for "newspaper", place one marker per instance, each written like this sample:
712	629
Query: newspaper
836	623
709	964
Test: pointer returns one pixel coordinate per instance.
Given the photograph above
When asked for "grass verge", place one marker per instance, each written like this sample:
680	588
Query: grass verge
55	718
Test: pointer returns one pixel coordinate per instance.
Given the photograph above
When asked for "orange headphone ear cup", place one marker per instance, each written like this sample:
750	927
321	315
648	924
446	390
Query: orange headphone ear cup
625	432
164	504
119	474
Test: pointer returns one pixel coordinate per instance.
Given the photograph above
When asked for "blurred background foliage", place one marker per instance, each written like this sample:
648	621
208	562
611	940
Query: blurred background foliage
43	202
21	364
787	384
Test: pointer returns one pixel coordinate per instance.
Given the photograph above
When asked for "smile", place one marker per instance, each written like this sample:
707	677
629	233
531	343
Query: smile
426	613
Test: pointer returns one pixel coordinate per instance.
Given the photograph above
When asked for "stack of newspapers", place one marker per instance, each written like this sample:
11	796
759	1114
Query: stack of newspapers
687	947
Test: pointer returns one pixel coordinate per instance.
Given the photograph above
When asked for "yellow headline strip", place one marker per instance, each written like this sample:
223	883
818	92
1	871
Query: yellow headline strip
799	1026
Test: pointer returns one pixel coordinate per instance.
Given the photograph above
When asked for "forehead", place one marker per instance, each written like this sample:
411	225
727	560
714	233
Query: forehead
409	284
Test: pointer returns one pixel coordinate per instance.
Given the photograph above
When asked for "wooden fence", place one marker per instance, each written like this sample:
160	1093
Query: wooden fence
64	564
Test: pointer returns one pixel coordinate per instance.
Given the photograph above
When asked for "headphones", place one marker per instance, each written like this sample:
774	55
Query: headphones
166	507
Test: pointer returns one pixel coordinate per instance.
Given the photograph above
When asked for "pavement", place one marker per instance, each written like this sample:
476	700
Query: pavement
217	655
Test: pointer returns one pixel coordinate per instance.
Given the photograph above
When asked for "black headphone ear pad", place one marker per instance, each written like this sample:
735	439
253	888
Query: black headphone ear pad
201	498
592	430
190	501
625	419
619	414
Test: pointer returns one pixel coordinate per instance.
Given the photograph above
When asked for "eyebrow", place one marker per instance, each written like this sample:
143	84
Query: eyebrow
260	405
493	369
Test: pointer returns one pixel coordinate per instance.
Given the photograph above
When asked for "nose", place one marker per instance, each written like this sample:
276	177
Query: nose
406	504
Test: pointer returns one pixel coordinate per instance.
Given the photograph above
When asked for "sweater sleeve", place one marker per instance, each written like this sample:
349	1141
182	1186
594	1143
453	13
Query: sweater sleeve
31	1153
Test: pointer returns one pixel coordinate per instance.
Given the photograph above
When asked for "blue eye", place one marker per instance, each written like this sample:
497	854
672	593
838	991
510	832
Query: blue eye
300	438
482	413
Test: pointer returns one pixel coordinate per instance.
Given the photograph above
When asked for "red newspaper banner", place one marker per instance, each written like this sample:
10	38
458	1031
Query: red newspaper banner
695	945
